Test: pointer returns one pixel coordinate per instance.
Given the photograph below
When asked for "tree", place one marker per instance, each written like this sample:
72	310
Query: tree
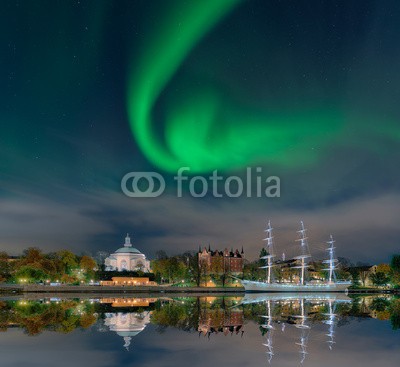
384	268
252	271
394	310
160	268
49	267
32	255
87	320
176	269
5	267
379	278
190	260
395	263
54	257
68	279
194	268
395	267
364	273
100	258
88	265
277	273
68	259
35	266
263	252
379	304
29	274
355	276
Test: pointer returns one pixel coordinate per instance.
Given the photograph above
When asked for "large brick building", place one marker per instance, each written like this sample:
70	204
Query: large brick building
219	262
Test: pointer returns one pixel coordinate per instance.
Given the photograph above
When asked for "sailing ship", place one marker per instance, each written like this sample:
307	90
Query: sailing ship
302	263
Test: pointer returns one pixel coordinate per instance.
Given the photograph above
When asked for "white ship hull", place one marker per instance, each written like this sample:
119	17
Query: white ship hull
256	297
253	286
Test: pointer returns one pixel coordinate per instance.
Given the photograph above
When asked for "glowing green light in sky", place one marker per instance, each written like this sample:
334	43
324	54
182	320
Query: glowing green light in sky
205	131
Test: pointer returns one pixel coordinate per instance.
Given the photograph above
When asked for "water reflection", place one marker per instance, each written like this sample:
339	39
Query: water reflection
127	325
220	317
297	311
288	325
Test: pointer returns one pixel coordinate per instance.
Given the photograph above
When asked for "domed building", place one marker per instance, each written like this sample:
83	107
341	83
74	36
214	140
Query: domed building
127	258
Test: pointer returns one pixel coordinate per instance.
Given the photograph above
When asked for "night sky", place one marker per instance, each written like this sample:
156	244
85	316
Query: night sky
307	90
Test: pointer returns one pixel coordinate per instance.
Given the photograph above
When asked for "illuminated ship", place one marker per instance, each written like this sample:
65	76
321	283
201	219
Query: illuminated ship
301	263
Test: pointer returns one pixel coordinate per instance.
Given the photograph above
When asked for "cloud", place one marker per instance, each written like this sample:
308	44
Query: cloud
359	225
366	228
46	224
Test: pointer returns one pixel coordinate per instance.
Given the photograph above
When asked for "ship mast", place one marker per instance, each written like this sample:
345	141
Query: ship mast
269	247
305	253
332	260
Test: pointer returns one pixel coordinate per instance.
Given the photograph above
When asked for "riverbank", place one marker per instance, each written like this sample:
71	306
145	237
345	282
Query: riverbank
373	290
99	289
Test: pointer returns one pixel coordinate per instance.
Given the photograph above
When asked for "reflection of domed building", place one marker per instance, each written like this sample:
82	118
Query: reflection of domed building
127	325
127	258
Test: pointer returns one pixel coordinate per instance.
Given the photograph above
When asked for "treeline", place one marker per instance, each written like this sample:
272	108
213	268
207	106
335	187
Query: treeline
66	267
385	274
35	266
184	313
35	317
182	268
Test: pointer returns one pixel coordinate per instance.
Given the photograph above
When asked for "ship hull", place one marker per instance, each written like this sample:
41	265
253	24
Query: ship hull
257	297
252	286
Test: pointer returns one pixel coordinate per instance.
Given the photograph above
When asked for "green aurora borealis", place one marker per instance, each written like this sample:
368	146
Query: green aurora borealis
206	131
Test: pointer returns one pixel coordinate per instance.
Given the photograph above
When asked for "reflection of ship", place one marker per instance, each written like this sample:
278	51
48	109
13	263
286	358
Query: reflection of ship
331	321
127	325
305	328
292	297
331	285
268	325
296	310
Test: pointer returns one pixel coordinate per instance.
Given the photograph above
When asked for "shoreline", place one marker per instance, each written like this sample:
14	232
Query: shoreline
99	289
121	290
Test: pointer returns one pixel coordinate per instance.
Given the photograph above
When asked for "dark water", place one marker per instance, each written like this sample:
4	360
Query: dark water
271	330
